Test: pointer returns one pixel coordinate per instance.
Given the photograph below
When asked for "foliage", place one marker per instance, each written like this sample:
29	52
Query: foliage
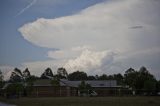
16	76
130	77
140	80
1	80
55	82
62	73
77	76
91	78
15	89
158	86
150	85
47	74
103	77
26	73
84	87
1	76
21	80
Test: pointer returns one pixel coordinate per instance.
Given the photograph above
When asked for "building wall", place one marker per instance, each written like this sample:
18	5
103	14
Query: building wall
42	91
64	91
107	91
54	91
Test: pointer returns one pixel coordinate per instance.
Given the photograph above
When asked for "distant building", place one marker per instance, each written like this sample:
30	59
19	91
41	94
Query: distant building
43	87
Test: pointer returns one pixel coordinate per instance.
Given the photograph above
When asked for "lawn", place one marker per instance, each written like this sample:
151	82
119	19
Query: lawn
85	101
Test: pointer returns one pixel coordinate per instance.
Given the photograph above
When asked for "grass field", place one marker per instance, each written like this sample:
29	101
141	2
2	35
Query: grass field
85	101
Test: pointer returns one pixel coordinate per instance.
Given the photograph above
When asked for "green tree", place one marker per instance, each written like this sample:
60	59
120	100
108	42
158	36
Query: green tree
77	76
140	80
62	73
16	76
103	77
91	78
15	89
144	76
130	77
158	86
150	85
84	88
1	79
26	73
48	74
119	78
55	82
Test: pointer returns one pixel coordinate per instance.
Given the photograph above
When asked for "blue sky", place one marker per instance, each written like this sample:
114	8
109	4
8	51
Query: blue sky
14	49
95	36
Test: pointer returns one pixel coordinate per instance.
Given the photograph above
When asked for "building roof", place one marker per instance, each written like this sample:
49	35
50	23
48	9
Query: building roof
64	82
42	82
93	83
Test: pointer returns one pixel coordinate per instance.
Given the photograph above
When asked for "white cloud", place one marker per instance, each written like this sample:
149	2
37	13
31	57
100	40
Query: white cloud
89	60
128	27
68	53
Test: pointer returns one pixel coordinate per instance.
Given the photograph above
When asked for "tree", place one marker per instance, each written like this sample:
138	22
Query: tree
16	76
1	79
1	76
140	80
62	73
84	87
47	74
150	86
26	73
143	76
119	78
55	82
158	86
19	79
103	77
130	77
91	78
15	89
77	76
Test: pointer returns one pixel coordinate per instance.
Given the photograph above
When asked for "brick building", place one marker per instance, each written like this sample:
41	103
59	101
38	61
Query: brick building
43	87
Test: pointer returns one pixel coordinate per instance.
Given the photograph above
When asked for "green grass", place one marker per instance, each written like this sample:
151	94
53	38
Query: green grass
85	101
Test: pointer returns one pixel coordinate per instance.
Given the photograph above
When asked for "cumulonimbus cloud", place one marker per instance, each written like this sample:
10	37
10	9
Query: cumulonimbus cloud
123	26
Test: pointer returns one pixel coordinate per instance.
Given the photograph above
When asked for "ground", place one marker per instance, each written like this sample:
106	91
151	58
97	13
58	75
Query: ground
85	101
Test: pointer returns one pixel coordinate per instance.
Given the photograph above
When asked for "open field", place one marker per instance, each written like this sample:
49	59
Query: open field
85	101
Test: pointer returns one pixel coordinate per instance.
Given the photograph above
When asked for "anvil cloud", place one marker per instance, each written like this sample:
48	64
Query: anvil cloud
114	35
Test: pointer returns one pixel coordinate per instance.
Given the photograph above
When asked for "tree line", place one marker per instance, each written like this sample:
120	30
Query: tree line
138	80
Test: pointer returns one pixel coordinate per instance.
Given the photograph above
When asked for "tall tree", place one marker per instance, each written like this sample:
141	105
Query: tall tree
1	79
16	75
26	73
62	73
119	78
144	77
130	77
140	80
47	74
77	76
91	78
103	77
158	86
1	76
84	88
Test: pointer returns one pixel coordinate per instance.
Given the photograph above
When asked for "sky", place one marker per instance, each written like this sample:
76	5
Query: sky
94	36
